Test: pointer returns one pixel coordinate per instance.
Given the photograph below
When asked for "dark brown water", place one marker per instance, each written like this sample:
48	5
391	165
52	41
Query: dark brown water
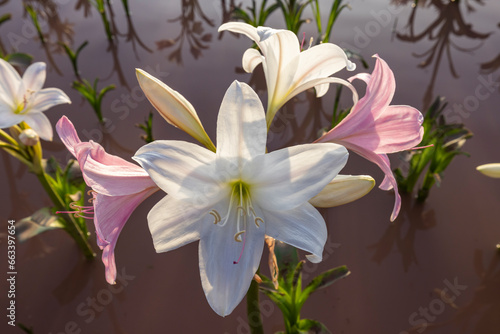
399	270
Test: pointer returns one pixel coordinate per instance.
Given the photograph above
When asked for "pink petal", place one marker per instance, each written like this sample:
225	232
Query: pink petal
397	129
108	174
384	164
66	131
111	214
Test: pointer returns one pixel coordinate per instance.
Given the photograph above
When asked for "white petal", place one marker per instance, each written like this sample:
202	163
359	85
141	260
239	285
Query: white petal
321	89
241	28
47	98
342	190
251	58
320	61
8	118
491	170
319	83
183	170
241	126
287	178
266	32
10	81
34	77
174	224
281	52
224	282
302	227
40	123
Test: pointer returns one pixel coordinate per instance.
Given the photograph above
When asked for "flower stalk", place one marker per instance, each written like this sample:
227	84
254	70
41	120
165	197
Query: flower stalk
72	227
253	309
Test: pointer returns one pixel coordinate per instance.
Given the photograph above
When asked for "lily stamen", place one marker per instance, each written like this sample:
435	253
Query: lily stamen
80	211
303	40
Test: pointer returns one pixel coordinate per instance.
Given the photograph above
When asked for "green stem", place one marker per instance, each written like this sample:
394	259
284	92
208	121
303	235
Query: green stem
8	138
253	310
72	228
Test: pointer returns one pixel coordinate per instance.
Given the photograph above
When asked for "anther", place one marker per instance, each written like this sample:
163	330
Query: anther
237	236
216	215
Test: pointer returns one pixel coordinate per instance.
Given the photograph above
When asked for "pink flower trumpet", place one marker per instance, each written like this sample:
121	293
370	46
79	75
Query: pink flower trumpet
118	187
374	128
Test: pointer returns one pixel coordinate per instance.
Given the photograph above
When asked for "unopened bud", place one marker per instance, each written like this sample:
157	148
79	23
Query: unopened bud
29	137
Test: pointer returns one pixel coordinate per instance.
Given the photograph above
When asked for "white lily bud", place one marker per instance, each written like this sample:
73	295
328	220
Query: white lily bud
491	170
343	189
173	107
29	137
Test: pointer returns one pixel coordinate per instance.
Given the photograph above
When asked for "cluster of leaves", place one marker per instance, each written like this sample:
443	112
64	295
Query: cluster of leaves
92	94
73	55
446	140
335	11
147	126
253	17
289	295
69	187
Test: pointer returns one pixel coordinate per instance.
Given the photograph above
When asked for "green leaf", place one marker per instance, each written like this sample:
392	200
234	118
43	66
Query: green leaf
19	59
324	280
308	326
41	221
5	18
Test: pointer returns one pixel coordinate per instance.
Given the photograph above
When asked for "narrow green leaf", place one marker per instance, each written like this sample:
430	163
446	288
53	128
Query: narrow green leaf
324	280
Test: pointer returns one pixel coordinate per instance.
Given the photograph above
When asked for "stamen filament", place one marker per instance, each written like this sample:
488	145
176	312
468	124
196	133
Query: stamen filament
80	211
302	43
242	248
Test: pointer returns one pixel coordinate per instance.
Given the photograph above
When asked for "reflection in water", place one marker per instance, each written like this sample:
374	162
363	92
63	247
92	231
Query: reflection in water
418	219
480	315
491	66
117	67
48	16
85	5
191	30
227	14
133	37
449	23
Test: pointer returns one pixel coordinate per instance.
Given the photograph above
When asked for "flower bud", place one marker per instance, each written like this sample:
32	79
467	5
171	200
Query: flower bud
29	137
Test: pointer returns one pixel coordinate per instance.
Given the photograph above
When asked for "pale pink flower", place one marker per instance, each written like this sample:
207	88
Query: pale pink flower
118	187
373	128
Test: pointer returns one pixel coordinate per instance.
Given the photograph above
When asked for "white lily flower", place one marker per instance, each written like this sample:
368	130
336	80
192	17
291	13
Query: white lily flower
24	100
491	170
343	189
230	200
289	71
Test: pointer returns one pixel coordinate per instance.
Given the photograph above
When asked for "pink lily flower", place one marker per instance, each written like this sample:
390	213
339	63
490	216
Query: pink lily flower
374	128
118	187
